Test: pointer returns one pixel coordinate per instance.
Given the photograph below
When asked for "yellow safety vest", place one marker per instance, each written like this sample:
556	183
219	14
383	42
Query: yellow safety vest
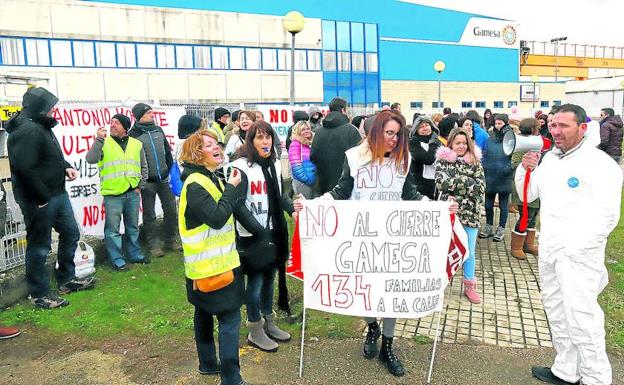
207	251
216	128
119	170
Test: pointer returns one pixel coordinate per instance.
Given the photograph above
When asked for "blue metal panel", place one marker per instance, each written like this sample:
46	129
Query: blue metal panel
414	61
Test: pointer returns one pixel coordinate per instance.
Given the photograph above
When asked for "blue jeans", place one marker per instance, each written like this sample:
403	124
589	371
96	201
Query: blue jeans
229	327
469	265
126	205
503	206
57	214
259	294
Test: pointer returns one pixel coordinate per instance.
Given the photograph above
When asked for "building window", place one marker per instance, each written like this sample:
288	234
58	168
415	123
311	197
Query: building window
329	35
357	62
105	54
166	56
329	61
283	59
300	60
343	36
126	56
252	58
83	54
479	104
466	104
237	58
370	33
37	52
12	51
556	102
511	103
435	105
498	104
184	56
219	58
357	37
344	61
146	55
314	61
544	104
61	53
416	105
371	62
269	59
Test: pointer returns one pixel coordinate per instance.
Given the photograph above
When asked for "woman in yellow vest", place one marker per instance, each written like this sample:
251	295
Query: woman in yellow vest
214	282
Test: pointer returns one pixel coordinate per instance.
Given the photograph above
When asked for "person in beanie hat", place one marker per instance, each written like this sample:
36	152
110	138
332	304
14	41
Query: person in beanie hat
222	116
123	173
38	174
159	161
187	125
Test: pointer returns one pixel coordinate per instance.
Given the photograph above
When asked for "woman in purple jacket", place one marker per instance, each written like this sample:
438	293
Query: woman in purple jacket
303	170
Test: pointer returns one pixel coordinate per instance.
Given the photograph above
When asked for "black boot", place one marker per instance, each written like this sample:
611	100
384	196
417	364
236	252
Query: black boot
386	355
370	343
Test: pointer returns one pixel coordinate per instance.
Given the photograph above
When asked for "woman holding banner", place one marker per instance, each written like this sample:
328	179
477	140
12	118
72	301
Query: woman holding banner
262	234
459	174
214	282
387	145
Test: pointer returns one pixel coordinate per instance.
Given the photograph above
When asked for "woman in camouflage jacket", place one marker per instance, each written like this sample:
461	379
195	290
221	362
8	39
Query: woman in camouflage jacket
459	174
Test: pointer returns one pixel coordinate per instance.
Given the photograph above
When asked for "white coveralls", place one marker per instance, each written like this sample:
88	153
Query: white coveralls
580	193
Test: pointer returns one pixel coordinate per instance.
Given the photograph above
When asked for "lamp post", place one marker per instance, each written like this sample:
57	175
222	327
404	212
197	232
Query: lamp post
293	23
556	40
534	79
439	66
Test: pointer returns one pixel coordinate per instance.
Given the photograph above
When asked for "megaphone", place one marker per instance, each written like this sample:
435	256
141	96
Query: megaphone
518	143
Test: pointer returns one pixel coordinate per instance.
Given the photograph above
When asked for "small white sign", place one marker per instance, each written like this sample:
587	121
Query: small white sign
494	33
528	93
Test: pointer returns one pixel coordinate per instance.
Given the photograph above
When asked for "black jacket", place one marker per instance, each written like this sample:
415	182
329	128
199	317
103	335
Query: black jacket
203	209
329	146
422	157
35	156
157	150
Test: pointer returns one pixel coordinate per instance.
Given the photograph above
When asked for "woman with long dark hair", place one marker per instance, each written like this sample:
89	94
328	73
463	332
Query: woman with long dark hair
262	234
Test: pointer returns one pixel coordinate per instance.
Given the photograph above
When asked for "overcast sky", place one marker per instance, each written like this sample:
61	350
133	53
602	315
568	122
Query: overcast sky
597	22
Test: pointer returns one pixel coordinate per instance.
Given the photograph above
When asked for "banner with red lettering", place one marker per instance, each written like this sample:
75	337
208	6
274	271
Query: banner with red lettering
377	259
76	134
281	117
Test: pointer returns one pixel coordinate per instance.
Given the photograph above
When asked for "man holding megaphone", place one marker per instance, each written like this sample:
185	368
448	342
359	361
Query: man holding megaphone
580	190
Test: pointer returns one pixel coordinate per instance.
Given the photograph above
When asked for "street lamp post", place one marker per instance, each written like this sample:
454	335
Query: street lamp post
293	23
439	66
556	40
534	79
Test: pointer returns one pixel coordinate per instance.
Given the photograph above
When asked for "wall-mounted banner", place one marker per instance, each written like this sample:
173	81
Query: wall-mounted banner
382	259
76	134
281	117
482	32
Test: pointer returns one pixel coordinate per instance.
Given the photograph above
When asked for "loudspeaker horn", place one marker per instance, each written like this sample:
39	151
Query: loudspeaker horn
518	143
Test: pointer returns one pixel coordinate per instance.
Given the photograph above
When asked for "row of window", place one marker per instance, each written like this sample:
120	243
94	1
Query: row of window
497	104
347	36
78	53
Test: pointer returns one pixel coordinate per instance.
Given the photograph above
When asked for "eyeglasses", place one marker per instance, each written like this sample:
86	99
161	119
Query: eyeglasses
391	134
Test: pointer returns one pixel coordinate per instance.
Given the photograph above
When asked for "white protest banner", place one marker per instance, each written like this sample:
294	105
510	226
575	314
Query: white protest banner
378	259
76	134
281	117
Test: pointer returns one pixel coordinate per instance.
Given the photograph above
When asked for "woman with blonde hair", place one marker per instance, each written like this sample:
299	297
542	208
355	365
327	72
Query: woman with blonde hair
459	174
214	281
303	170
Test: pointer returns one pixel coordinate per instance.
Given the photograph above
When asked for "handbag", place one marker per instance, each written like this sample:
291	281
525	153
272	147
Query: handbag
175	180
216	282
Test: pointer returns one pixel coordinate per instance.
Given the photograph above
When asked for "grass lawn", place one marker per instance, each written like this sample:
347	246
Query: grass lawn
150	301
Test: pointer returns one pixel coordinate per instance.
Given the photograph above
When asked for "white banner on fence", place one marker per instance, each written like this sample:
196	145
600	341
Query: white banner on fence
378	259
76	134
281	117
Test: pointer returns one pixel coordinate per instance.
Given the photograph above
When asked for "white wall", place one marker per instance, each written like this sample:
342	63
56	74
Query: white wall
594	101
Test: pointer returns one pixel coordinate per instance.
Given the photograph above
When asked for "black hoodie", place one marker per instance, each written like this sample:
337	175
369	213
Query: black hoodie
329	146
35	156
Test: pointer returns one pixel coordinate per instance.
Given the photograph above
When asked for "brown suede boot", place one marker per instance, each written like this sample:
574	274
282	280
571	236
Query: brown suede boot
517	241
530	246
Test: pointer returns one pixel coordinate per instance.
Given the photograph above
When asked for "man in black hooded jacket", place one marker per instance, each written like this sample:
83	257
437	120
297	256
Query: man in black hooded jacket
38	172
330	144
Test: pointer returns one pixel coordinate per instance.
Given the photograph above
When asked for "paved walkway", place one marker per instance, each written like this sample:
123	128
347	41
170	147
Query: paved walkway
511	314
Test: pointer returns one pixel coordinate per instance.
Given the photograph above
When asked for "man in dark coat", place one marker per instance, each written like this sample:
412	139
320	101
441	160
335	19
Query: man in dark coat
159	161
330	143
38	172
611	133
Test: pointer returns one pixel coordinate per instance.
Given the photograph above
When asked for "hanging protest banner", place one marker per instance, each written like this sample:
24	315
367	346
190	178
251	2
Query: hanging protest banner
76	133
378	259
281	117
